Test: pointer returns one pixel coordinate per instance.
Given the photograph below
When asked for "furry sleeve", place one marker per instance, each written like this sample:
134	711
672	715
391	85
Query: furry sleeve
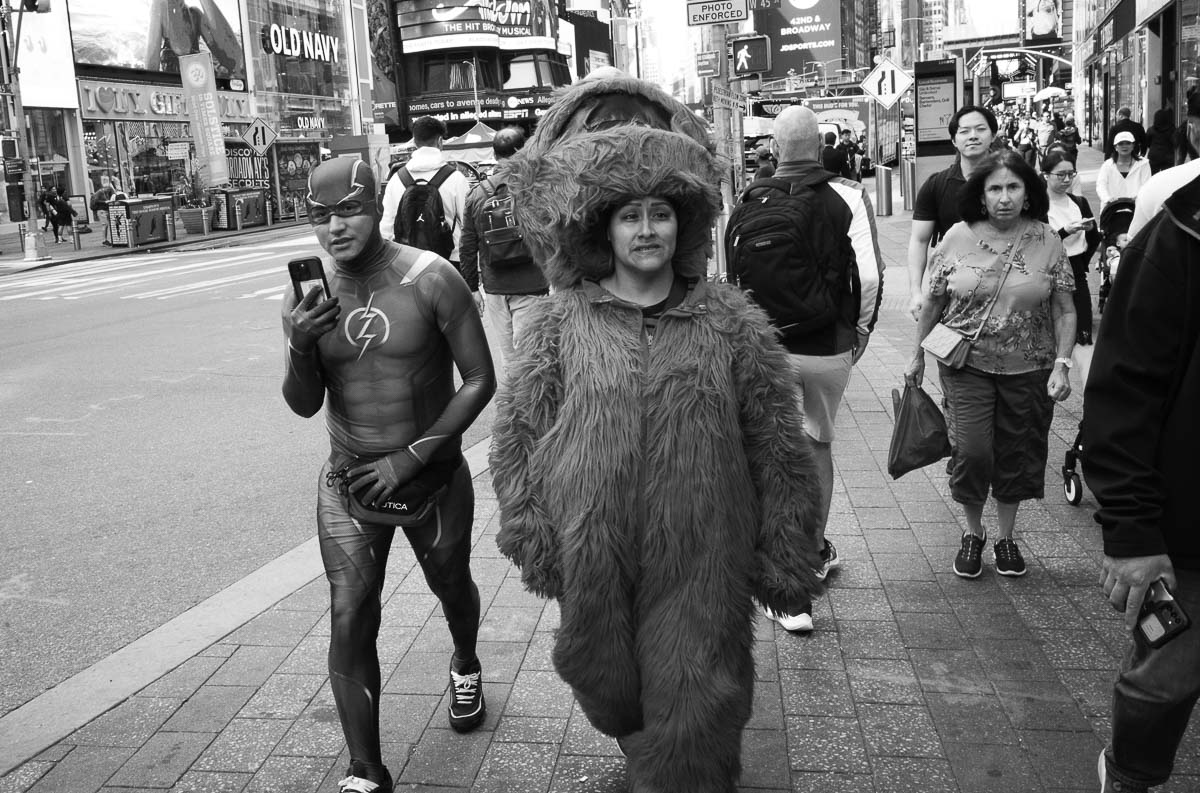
780	460
526	407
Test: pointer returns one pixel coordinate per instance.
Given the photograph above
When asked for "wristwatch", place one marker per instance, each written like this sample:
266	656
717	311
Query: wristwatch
1067	362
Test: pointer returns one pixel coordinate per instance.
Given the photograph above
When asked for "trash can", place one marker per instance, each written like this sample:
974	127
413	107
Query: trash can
251	202
883	190
138	221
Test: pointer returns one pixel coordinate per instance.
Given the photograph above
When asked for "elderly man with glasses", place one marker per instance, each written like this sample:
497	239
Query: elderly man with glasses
383	346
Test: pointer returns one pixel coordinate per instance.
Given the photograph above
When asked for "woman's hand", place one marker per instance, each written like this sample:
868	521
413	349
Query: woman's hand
1059	386
914	375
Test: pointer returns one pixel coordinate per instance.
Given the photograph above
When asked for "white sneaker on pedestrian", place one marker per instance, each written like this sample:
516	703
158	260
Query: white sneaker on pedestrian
798	623
829	560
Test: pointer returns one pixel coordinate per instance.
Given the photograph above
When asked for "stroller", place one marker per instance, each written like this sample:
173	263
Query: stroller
1114	225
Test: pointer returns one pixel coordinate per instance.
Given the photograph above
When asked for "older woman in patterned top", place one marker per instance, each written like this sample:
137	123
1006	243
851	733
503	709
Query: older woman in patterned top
1002	256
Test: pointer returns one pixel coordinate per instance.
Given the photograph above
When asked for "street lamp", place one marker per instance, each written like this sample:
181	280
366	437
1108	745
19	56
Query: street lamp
474	85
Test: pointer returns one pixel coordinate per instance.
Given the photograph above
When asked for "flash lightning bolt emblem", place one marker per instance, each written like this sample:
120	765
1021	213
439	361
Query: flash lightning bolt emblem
368	329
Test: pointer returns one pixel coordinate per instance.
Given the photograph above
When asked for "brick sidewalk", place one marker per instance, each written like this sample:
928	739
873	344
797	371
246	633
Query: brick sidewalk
914	680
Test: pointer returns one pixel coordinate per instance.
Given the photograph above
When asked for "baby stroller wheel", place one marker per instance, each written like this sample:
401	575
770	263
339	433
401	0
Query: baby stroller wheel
1073	489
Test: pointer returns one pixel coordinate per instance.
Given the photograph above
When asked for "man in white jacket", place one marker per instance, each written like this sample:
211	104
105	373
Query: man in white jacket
425	162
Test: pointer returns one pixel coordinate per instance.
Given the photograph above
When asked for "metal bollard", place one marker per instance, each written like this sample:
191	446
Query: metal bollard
76	240
204	222
237	207
910	170
172	232
883	190
130	233
21	235
268	210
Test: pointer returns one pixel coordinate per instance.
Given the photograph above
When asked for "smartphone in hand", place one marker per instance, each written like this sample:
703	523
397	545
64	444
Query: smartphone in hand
1162	618
307	273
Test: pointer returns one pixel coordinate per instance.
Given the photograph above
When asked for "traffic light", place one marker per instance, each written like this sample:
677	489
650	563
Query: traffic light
39	6
751	55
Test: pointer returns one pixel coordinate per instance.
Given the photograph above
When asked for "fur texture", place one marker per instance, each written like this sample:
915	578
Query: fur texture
564	198
656	490
567	114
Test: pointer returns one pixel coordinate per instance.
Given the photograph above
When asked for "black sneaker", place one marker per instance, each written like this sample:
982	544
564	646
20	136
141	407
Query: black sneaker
1008	558
829	560
467	707
969	561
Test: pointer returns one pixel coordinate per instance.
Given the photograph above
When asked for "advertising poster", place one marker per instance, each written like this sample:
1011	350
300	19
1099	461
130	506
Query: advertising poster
383	62
200	92
427	25
1043	21
806	37
294	160
247	169
152	35
981	19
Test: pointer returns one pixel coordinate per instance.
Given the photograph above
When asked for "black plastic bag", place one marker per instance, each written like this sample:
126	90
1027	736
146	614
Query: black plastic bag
919	437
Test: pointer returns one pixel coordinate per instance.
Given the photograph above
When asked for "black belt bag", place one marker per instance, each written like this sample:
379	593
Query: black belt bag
411	504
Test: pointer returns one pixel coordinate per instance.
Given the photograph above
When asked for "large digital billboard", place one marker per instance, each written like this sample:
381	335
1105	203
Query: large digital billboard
806	37
428	25
151	35
967	20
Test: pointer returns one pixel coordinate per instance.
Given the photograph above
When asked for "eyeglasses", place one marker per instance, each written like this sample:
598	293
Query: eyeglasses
346	208
1064	175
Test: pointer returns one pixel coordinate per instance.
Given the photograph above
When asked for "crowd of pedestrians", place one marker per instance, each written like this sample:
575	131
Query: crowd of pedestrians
662	449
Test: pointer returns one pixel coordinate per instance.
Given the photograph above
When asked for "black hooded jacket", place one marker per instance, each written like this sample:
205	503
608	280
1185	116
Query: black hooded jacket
1141	418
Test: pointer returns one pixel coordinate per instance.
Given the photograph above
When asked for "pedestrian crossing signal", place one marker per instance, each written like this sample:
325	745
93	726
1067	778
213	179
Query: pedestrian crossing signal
751	55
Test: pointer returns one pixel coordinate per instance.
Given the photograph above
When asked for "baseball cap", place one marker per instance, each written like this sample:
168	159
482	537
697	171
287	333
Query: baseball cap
763	151
1124	137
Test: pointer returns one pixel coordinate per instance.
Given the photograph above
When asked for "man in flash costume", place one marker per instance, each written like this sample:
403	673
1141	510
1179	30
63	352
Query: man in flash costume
384	347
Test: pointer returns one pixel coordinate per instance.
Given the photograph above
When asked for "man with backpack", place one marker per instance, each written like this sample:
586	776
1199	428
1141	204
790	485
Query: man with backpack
494	251
424	200
804	244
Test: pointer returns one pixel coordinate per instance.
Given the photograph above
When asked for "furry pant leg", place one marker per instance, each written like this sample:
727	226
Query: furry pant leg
696	743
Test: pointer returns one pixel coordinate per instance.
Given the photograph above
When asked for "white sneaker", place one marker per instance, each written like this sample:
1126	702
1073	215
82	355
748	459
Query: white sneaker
800	623
829	561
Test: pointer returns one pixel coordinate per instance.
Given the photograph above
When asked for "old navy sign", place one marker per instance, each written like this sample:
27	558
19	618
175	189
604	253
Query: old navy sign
305	44
139	102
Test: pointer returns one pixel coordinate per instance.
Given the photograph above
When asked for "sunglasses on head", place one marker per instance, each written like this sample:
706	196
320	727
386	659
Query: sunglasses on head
346	208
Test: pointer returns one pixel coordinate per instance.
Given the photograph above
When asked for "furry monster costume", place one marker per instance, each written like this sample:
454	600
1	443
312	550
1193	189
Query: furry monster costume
655	489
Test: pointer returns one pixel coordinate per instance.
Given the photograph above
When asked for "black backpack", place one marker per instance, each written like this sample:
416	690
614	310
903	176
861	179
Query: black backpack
782	247
421	218
500	238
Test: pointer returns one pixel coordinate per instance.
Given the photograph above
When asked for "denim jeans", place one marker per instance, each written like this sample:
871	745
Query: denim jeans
1154	696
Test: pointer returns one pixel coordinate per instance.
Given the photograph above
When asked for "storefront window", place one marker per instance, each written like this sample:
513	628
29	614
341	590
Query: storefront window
49	136
141	158
302	66
1189	49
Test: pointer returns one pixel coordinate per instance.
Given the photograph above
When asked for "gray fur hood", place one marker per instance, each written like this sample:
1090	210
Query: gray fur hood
601	102
564	196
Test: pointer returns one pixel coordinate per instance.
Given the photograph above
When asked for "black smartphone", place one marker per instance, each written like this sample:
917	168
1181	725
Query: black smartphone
307	273
1162	618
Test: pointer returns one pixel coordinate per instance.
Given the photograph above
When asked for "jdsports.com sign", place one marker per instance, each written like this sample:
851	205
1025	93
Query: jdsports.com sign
716	12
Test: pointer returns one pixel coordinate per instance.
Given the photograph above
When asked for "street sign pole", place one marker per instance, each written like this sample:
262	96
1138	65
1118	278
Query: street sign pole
13	77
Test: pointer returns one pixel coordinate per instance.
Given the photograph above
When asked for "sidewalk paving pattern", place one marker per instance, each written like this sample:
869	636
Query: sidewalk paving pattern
914	679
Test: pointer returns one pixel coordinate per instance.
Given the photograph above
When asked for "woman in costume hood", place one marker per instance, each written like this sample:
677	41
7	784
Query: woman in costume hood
648	454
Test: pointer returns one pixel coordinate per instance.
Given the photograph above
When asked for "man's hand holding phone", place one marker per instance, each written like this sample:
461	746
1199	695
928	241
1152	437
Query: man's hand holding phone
312	318
1127	580
313	311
